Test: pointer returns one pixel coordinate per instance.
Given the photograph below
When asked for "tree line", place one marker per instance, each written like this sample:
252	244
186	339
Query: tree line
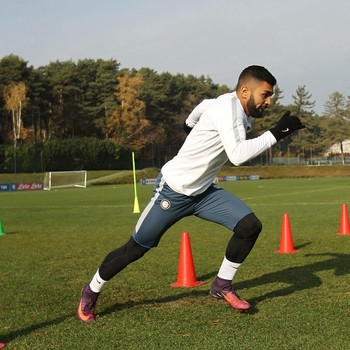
52	110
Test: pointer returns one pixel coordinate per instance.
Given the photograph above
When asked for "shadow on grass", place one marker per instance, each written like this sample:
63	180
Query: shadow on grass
298	278
25	331
302	245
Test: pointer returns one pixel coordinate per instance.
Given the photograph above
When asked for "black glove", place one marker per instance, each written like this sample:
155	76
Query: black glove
187	128
286	125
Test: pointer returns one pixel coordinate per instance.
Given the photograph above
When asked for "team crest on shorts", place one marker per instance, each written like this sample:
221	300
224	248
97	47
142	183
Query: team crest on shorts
165	204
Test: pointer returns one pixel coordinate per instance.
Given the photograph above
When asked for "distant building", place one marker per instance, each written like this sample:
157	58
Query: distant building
335	149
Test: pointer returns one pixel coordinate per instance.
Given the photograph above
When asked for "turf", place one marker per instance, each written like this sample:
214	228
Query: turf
55	240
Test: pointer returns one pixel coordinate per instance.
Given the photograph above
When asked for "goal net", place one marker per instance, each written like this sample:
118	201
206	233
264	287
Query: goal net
62	179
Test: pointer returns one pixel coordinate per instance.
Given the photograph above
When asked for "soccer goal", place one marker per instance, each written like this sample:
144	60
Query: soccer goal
62	179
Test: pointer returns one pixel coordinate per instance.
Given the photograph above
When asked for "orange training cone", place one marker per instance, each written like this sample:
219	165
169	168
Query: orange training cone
344	227
186	272
286	244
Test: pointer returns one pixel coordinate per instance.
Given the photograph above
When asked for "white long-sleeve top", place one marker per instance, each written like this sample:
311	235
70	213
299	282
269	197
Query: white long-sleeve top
218	135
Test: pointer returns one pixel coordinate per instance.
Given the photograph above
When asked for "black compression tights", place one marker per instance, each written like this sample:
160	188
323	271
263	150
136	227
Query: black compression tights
120	258
238	248
245	235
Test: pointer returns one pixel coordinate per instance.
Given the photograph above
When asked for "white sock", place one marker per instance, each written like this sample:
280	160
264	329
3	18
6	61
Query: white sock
228	269
97	283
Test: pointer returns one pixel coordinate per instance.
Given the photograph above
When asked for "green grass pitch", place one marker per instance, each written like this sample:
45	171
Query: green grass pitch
55	240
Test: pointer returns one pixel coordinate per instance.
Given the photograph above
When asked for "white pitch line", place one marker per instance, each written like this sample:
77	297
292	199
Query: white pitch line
68	206
296	203
298	193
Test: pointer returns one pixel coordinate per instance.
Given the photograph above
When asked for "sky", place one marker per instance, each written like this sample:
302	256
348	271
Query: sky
301	42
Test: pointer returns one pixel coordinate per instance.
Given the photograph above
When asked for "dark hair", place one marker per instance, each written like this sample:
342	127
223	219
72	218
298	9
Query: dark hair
258	73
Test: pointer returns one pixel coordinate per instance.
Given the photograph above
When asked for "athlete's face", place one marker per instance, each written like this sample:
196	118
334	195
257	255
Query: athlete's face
260	99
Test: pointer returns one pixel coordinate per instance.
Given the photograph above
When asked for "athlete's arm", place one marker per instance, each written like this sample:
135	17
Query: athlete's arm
241	150
233	137
245	150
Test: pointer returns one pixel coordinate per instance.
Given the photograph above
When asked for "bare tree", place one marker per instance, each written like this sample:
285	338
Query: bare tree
15	98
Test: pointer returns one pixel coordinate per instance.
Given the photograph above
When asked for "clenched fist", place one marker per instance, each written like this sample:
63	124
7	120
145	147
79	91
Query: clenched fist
286	125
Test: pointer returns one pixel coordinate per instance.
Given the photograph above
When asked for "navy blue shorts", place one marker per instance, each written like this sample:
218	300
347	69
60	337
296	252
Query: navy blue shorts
166	207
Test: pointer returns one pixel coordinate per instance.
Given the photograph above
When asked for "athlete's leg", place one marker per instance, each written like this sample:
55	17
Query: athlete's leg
152	224
220	206
240	245
226	209
165	208
245	235
121	257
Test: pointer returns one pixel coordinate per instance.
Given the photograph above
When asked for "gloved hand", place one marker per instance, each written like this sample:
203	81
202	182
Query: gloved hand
286	125
187	128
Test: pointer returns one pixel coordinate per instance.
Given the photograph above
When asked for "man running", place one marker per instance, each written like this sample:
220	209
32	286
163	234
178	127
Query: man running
185	185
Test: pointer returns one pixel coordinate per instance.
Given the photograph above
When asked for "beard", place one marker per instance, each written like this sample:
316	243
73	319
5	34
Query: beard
253	111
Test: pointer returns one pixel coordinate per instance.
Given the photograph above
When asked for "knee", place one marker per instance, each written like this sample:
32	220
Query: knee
248	228
134	251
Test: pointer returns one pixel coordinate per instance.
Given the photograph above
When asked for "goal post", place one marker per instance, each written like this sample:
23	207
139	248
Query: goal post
64	179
